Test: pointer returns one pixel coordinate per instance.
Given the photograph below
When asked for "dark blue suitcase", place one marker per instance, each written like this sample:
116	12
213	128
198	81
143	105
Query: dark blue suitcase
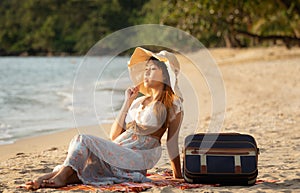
220	158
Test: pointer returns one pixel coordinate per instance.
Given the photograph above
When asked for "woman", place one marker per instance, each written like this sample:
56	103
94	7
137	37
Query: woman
136	133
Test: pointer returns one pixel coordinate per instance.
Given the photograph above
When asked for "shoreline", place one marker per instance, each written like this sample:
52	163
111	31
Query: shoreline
34	144
44	142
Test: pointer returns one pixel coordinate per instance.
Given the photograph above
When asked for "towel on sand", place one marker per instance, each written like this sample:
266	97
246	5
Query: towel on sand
160	179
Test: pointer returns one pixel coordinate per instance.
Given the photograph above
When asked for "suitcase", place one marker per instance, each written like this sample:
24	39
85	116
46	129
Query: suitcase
220	158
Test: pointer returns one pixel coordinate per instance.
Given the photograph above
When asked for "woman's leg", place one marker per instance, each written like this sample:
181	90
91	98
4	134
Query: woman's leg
65	175
73	179
54	179
78	154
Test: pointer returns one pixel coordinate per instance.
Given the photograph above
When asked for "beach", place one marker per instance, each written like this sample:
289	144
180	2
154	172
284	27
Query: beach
262	99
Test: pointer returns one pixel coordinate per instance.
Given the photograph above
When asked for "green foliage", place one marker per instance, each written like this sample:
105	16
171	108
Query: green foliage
235	23
74	26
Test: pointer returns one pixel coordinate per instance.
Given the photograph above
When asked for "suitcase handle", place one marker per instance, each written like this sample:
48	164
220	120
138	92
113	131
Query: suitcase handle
220	151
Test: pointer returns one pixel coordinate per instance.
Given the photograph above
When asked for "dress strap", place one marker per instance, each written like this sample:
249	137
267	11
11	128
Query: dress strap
140	130
135	127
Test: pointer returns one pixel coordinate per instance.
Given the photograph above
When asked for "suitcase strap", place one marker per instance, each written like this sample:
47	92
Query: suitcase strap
237	153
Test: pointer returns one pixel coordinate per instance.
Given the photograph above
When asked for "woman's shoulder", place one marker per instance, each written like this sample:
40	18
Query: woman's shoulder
176	108
177	101
177	105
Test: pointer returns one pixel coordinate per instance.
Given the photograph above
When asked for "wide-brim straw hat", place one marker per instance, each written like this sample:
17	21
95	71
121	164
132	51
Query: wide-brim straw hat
137	65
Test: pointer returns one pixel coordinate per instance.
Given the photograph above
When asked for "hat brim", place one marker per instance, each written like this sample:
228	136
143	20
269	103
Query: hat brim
141	55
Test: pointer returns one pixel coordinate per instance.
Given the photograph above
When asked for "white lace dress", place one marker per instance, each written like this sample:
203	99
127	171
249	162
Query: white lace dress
100	162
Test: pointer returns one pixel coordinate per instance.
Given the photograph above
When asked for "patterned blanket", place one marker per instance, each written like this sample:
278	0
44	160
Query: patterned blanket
161	179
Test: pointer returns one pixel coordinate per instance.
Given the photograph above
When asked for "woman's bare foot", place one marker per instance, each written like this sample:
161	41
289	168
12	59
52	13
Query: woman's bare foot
31	185
37	183
66	175
60	179
55	182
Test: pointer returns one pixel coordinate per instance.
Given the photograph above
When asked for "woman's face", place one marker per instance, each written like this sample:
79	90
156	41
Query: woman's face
153	76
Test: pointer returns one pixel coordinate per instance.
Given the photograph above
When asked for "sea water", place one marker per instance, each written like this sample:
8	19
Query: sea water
36	94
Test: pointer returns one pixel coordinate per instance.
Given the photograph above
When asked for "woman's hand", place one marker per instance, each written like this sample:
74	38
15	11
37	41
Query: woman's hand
176	176
119	124
131	93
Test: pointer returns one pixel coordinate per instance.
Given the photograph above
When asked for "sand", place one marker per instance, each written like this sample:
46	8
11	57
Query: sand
262	99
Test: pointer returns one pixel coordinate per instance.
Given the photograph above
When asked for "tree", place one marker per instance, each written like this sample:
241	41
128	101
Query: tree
74	26
234	23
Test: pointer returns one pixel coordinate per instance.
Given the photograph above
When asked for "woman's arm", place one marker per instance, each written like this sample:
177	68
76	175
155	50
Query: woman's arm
172	145
119	124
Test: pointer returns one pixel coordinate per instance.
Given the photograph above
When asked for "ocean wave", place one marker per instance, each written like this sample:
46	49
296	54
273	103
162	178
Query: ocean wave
116	85
2	142
5	136
66	95
67	98
21	100
4	126
4	132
